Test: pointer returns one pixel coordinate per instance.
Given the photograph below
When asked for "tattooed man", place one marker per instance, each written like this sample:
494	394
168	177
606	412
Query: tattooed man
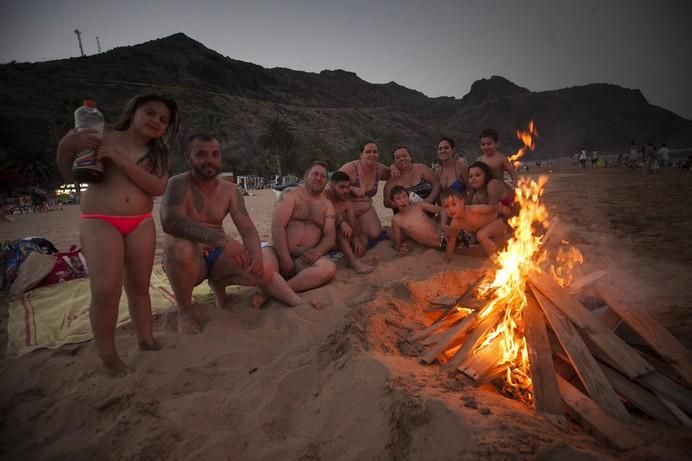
196	247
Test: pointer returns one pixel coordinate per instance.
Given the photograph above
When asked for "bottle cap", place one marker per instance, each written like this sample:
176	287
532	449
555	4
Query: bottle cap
89	103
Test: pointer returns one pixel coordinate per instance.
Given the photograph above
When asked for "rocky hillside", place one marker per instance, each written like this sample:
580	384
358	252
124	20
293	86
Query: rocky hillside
329	112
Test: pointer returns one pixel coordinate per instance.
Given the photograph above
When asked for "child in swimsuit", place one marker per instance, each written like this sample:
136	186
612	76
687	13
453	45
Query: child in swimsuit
498	163
484	222
117	231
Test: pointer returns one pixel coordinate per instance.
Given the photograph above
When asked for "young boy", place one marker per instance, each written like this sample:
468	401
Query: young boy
480	221
497	162
349	238
412	222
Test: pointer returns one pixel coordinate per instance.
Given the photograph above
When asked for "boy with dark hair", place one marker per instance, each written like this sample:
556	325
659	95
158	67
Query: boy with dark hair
498	163
412	222
349	238
480	222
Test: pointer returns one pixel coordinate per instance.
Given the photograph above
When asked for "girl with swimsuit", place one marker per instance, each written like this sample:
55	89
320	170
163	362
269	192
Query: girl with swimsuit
117	231
416	178
454	169
366	174
486	190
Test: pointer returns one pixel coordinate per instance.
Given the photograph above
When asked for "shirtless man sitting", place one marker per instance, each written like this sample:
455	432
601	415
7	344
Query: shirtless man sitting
196	247
303	231
349	238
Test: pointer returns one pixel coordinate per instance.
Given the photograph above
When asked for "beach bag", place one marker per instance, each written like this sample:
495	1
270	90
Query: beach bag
69	265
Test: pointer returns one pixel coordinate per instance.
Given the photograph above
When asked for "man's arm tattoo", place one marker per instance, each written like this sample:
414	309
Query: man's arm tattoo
183	227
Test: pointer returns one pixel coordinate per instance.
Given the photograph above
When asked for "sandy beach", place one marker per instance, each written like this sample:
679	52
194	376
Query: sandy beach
342	382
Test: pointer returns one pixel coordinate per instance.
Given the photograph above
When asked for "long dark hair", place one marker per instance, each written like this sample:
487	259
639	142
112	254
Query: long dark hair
486	171
157	154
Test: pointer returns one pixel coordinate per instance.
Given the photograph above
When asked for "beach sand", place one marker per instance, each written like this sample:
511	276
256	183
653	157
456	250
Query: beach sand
342	382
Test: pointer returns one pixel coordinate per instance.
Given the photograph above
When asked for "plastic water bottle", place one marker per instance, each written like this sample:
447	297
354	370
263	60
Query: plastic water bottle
86	167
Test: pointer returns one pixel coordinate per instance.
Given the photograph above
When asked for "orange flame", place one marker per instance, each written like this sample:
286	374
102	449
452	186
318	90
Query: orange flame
528	138
508	284
567	260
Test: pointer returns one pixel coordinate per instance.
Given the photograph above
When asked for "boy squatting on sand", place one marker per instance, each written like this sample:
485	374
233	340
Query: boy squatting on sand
412	222
498	163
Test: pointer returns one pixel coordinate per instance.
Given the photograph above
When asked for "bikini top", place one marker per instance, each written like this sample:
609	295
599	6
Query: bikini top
456	185
373	190
422	189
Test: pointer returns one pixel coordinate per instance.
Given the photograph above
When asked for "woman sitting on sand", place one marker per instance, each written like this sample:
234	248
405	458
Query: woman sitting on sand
453	172
486	190
116	227
418	179
366	174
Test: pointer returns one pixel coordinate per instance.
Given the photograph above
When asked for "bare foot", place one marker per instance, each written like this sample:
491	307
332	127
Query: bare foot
220	294
259	299
188	322
115	368
151	345
361	268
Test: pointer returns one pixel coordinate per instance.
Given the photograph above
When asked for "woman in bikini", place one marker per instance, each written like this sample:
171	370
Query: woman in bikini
418	179
454	169
366	174
117	231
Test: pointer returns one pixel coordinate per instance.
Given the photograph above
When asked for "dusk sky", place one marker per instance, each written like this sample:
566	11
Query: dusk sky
437	47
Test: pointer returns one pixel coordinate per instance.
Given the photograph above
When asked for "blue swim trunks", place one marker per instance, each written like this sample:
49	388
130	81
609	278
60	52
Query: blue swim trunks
210	256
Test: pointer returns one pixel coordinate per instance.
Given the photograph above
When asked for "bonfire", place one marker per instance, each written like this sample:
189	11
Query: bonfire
522	321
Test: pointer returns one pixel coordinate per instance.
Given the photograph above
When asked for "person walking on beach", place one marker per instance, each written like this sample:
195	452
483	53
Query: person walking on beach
117	231
196	246
303	231
582	159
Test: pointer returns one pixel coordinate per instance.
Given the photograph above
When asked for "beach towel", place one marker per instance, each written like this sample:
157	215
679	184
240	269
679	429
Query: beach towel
55	315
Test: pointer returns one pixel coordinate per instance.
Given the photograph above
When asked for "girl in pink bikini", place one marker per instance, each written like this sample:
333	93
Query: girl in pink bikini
117	231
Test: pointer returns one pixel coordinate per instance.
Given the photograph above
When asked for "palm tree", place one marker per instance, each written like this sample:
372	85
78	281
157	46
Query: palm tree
35	165
278	139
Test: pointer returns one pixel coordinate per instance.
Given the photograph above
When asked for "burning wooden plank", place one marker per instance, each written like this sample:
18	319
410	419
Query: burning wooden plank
546	394
651	331
590	374
622	355
482	362
444	323
449	337
594	418
474	338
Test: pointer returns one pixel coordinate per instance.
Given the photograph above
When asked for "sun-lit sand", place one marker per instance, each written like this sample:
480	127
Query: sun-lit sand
342	382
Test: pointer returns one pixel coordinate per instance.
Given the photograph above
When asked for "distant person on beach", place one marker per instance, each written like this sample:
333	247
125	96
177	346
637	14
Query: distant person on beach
594	158
117	230
650	165
303	231
366	174
418	179
453	170
582	158
196	246
663	155
498	163
349	238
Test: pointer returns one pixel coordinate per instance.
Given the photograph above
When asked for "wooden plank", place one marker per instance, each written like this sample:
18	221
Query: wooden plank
583	281
468	294
594	419
588	370
545	389
482	361
450	335
476	335
665	387
639	397
607	317
677	412
651	331
622	355
446	322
